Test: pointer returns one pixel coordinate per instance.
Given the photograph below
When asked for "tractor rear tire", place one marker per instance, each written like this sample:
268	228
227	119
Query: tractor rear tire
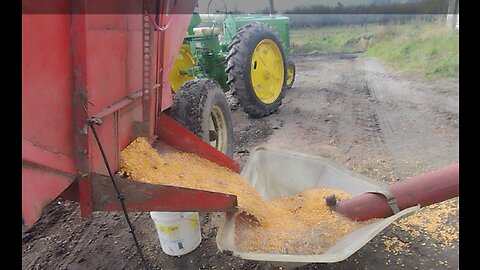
246	44
201	106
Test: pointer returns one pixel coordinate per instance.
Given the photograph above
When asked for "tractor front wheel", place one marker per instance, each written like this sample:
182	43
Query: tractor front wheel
201	106
256	69
290	74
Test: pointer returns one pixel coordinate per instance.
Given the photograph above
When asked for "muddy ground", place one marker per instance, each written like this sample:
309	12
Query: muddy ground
351	110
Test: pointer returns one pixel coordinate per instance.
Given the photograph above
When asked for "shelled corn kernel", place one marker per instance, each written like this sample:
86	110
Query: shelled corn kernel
297	224
141	162
309	228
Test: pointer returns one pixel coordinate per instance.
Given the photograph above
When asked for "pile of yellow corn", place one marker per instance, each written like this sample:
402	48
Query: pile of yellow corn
298	224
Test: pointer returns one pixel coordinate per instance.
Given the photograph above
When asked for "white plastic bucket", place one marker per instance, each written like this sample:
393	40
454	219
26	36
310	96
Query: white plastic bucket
178	232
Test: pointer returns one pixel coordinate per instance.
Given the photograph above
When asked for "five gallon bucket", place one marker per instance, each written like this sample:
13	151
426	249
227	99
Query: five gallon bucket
178	232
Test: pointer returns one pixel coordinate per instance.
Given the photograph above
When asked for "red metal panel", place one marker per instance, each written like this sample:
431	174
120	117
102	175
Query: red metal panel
108	137
174	134
106	68
174	34
47	81
143	197
39	188
37	155
134	55
47	138
125	119
173	21
107	22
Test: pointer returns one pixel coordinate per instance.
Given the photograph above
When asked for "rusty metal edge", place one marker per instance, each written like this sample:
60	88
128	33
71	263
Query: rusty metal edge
145	197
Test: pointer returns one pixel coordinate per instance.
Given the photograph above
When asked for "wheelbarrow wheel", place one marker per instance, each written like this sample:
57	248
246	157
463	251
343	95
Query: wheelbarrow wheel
201	106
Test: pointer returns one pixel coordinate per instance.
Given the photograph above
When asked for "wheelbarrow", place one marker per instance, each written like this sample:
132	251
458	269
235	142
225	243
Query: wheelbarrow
278	173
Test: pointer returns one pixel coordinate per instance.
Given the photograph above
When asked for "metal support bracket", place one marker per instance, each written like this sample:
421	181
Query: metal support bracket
390	199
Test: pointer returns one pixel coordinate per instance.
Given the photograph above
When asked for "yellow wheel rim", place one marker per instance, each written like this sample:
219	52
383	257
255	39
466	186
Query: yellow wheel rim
290	74
267	71
184	61
217	124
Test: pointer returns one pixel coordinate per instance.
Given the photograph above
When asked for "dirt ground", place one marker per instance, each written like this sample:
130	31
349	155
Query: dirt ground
352	110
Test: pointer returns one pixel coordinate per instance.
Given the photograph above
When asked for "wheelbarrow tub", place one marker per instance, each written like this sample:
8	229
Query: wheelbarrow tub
279	173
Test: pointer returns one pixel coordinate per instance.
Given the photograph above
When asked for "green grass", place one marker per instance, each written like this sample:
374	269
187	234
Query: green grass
428	49
327	39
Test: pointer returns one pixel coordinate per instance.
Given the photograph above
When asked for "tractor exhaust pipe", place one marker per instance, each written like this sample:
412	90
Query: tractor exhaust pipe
272	8
426	189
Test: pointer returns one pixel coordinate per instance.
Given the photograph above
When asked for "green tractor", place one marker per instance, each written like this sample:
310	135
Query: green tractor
244	55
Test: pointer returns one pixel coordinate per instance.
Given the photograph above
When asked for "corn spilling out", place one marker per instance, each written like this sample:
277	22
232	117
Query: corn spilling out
296	224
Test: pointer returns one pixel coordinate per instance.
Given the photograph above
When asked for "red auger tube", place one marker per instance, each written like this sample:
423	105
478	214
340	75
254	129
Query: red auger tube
426	189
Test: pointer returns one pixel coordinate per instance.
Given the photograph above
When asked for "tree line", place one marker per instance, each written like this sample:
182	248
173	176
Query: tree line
381	12
418	7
